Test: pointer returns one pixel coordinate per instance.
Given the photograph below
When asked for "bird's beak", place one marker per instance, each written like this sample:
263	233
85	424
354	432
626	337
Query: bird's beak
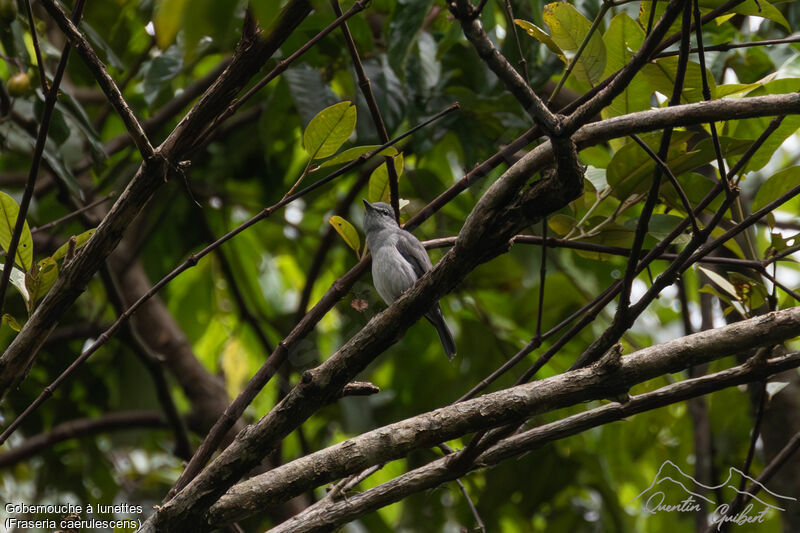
367	205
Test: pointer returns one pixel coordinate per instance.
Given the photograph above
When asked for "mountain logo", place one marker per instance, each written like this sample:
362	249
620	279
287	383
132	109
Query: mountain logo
671	482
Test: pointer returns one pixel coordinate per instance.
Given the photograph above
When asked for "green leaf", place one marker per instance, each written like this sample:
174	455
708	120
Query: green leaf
753	8
561	224
59	130
660	226
9	210
661	75
12	322
41	279
631	165
266	11
18	139
720	281
354	153
167	21
622	39
752	128
80	240
161	71
730	89
631	168
568	27
327	131
404	27
730	244
379	180
347	232
780	183
540	35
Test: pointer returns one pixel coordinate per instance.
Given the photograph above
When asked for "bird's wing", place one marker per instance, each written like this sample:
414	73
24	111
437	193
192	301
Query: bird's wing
413	252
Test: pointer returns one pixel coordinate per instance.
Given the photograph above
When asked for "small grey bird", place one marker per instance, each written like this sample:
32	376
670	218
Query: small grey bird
398	261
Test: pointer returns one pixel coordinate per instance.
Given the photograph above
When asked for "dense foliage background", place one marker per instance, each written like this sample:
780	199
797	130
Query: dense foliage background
232	308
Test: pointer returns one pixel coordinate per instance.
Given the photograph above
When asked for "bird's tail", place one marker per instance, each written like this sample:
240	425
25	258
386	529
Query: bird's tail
436	318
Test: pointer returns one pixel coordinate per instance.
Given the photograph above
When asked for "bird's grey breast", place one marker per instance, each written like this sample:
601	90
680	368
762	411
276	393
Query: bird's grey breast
391	272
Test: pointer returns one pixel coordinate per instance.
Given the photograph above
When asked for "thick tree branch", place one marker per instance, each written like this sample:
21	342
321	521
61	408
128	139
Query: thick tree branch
440	471
517	403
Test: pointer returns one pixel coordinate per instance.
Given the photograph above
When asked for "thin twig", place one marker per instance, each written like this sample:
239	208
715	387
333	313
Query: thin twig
523	63
36	49
74	214
673	180
725	47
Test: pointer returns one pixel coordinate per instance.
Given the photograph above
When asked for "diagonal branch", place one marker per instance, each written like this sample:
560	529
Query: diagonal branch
98	69
442	470
517	403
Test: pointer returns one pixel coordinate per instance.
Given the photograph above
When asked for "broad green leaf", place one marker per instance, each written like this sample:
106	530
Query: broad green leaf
696	186
708	289
266	11
622	39
327	131
43	277
780	183
59	130
106	53
17	279
404	28
660	226
568	27
730	244
631	165
80	240
16	138
379	180
661	76
354	153
730	89
540	35
161	71
346	231
561	224
631	169
720	281
752	128
9	210
753	8
167	21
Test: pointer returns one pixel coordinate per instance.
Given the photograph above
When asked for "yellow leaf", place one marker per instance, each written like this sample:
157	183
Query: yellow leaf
346	231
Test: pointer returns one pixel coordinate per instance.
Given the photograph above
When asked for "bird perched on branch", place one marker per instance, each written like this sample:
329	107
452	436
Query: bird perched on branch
398	261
